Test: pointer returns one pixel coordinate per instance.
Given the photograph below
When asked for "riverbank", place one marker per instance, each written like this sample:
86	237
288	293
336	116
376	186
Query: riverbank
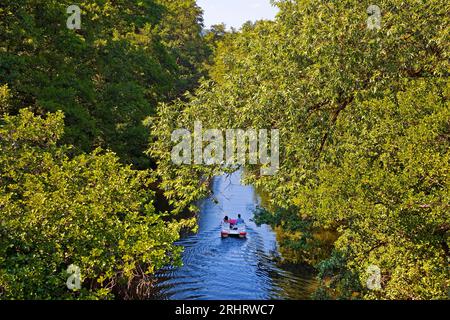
215	268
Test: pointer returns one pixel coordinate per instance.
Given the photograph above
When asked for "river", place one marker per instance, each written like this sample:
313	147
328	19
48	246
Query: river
232	268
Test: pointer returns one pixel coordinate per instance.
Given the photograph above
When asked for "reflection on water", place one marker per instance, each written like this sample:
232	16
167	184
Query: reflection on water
231	268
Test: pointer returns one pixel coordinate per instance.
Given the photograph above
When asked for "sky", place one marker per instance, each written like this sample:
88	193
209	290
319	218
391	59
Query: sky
235	12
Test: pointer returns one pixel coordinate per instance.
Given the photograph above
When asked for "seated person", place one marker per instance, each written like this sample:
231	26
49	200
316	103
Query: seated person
226	222
240	220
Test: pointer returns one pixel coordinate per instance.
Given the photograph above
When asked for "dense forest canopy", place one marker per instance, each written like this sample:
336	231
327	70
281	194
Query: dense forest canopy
87	210
87	117
62	199
109	75
364	122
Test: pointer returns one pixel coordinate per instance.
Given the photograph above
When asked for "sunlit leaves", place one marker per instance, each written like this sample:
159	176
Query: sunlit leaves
363	118
87	210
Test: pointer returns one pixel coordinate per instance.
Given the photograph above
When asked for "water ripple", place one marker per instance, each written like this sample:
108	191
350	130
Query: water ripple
231	268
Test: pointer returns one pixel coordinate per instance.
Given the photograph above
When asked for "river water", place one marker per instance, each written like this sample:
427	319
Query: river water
232	268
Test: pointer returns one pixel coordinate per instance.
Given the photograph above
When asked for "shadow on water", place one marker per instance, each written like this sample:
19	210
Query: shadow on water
232	268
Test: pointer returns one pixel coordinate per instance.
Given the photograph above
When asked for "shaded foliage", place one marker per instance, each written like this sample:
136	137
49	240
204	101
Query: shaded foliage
87	210
364	124
106	77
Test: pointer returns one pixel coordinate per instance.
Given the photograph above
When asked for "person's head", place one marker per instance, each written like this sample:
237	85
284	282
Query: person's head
239	216
226	218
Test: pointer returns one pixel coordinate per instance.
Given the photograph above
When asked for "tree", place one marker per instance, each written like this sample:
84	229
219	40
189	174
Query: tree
106	77
87	210
363	120
181	29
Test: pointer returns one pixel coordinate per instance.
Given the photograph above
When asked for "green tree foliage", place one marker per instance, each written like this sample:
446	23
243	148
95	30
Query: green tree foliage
212	37
4	98
215	33
62	199
385	188
106	77
364	124
181	29
182	186
88	210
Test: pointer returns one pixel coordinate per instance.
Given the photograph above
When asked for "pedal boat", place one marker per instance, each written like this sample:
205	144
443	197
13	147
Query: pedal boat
233	229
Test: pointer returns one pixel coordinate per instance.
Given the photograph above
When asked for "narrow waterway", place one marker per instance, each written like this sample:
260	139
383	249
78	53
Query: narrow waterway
232	268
